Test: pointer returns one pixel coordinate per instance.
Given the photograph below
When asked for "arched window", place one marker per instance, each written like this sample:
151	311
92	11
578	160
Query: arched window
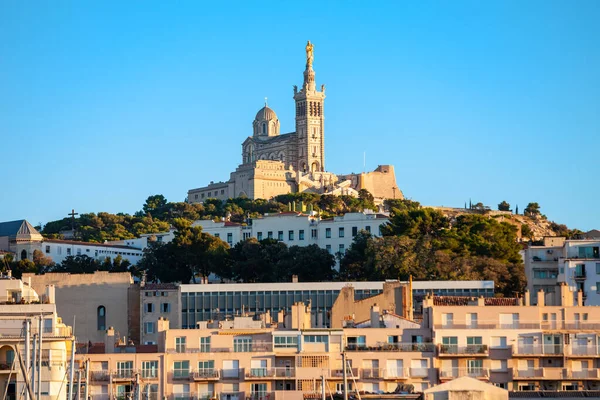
101	316
264	128
24	255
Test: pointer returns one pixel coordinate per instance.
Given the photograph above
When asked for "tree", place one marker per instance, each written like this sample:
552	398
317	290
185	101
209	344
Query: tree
504	206
532	209
526	231
415	223
354	264
154	203
41	262
80	264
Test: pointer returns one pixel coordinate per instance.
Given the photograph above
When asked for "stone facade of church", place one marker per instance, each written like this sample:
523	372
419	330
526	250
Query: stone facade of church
275	163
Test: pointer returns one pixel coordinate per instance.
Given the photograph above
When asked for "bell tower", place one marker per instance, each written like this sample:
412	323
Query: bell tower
310	118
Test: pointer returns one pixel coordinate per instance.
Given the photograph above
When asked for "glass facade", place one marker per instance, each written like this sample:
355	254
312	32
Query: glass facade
203	306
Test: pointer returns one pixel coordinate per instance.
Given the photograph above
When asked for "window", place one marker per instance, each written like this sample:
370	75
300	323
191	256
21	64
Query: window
205	344
196	196
222	191
217	235
291	235
355	342
181	369
341	232
242	344
229	238
180	344
149	327
499	342
259	236
59	250
354	230
315	338
101	318
328	233
474	367
125	369
597	267
314	233
78	252
149	369
269	235
165	307
328	248
206	369
368	228
301	234
68	252
589	252
597	287
286	341
48	252
149	307
341	249
280	235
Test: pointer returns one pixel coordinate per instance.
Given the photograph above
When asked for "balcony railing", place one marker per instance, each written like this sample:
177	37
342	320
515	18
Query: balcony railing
283	372
371	373
540	373
472	349
584	374
260	373
231	396
123	374
7	365
205	373
261	396
395	373
339	373
100	376
451	373
419	372
181	375
584	350
529	324
401	347
538	349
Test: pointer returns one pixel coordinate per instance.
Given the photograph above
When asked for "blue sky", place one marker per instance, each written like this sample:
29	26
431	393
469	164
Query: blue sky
105	103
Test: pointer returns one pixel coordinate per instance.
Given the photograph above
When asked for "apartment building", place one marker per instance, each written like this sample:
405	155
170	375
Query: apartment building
299	229
25	317
574	262
515	345
157	300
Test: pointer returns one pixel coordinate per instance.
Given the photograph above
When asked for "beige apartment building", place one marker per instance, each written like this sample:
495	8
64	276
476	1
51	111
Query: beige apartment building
506	342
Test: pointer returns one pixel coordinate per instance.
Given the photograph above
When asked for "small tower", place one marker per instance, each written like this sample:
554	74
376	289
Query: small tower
265	123
310	118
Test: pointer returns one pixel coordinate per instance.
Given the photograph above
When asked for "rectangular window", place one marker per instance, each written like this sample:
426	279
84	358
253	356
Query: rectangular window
59	250
291	235
149	369
328	248
286	341
229	238
598	287
259	236
149	327
597	268
355	342
165	307
149	307
68	251
242	344
181	369
315	338
217	235
314	234
354	230
368	228
205	344
180	344
48	252
125	369
280	235
341	232
270	235
328	233
499	342
499	365
341	249
301	234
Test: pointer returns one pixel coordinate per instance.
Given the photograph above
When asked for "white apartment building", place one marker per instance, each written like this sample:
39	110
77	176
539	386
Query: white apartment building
58	250
575	262
298	229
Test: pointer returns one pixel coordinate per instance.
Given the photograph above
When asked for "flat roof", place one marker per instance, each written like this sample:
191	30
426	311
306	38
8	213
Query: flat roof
248	287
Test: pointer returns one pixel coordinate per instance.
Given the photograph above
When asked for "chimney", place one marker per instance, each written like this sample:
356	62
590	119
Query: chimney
541	300
375	316
527	298
162	325
109	340
580	298
480	301
51	294
9	273
294	278
566	297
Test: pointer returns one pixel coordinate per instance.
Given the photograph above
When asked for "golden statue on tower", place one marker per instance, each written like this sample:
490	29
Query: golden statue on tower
309	54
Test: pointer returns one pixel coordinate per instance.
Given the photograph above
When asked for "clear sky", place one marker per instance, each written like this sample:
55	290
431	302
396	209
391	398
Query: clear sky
103	103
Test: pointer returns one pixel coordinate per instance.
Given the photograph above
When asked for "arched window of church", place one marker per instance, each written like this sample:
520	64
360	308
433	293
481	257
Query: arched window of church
24	255
264	128
101	318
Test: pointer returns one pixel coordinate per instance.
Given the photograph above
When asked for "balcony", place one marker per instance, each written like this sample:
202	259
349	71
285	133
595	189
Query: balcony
261	396
469	350
451	373
419	372
205	374
400	347
339	373
180	375
123	375
371	373
149	374
260	373
7	366
100	376
538	349
584	351
231	396
584	374
540	373
395	373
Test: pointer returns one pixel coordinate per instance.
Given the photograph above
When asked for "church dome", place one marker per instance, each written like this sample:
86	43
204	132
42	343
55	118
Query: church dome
266	123
265	113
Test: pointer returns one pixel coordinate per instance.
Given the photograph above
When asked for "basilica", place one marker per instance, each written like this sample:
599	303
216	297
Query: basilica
275	163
